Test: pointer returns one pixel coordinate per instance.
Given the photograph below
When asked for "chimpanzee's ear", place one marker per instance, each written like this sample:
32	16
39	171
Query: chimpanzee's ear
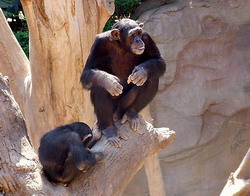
141	25
115	34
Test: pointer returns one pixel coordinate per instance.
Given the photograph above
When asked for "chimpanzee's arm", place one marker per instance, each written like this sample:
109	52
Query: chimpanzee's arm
92	70
154	65
97	65
82	159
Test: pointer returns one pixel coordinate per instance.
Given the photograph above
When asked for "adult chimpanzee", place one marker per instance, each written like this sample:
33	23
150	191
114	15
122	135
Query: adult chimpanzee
64	152
122	73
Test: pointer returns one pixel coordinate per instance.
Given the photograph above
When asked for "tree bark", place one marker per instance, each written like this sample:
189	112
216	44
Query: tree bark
152	166
61	34
14	64
21	173
238	183
154	176
19	166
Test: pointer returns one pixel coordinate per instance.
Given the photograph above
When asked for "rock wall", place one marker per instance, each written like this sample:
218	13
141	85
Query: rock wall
204	95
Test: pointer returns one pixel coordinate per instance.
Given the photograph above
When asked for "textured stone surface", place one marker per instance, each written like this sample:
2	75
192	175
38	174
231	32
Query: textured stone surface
204	95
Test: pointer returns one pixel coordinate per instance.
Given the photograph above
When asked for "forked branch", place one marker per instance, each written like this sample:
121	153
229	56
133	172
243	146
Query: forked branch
21	171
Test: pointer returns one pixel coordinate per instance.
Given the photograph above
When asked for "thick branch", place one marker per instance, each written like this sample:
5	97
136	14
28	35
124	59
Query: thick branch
106	9
13	62
238	183
21	172
152	166
20	169
61	35
154	176
120	165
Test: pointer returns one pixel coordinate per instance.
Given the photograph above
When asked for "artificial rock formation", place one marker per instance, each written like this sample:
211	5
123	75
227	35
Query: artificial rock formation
204	95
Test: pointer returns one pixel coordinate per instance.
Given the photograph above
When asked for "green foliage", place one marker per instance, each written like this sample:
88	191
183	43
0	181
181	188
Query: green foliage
23	39
109	24
123	9
13	12
19	27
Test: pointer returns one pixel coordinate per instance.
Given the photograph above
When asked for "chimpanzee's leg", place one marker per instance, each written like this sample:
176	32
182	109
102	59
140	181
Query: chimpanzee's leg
145	95
70	170
103	106
136	99
52	173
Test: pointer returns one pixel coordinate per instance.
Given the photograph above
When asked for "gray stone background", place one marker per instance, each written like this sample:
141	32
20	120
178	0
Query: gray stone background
204	95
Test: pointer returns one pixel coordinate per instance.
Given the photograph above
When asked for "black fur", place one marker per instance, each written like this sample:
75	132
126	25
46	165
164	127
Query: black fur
63	154
111	53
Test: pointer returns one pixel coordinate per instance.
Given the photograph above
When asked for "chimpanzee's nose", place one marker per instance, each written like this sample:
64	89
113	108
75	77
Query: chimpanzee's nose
137	40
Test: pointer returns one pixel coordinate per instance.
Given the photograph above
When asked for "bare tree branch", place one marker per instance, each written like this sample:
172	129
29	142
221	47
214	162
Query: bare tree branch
21	171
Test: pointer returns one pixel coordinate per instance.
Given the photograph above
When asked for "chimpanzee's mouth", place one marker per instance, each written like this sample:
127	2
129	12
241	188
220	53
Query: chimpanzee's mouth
141	48
138	50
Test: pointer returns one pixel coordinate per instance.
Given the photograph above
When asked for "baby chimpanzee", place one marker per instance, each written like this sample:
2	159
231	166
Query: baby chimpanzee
64	152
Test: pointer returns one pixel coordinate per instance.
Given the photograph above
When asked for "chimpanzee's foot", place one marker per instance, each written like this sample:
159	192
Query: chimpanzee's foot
132	118
97	134
99	156
113	136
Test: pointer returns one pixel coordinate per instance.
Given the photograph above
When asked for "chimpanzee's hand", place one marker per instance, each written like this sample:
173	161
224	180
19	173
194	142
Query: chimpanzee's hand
112	85
138	76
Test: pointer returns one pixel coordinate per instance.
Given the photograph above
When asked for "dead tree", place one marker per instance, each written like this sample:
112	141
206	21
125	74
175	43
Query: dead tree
47	86
21	174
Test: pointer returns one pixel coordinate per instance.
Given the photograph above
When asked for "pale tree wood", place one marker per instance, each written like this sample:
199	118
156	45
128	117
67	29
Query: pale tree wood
19	166
152	166
238	183
20	172
154	176
14	64
61	34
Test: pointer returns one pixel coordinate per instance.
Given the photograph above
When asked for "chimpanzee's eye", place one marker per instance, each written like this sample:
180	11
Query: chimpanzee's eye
138	33
132	35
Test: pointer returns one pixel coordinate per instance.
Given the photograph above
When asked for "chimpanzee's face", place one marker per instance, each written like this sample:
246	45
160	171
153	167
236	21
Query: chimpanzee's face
137	46
129	36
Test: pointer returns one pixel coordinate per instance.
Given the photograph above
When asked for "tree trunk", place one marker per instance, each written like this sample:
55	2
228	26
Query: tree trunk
152	166
61	34
20	169
154	176
14	64
21	172
238	183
